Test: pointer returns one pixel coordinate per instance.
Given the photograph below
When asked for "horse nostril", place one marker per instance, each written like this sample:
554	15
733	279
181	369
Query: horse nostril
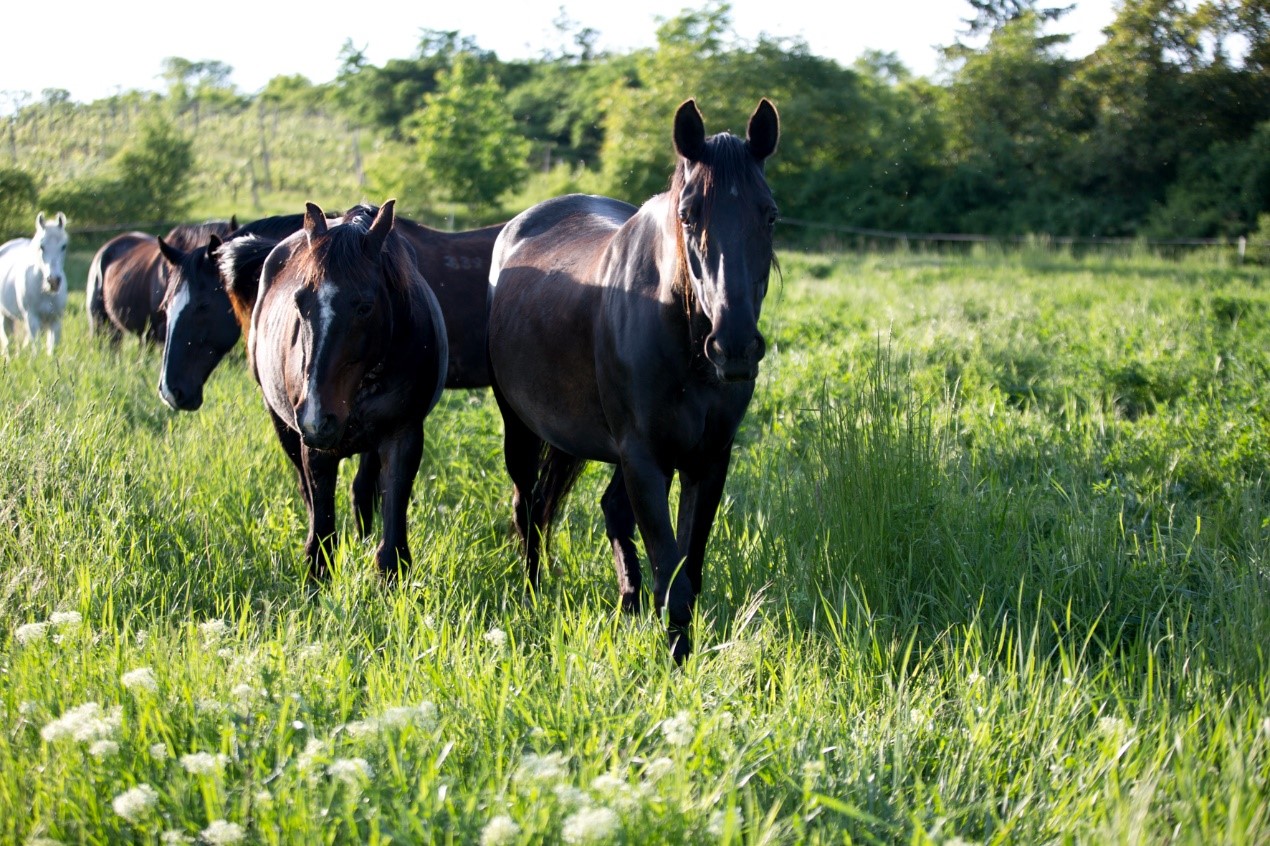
757	349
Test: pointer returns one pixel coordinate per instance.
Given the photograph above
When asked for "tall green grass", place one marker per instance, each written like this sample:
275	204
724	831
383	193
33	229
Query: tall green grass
991	567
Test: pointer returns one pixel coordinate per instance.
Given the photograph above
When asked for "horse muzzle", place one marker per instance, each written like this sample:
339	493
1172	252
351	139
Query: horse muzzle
319	430
52	284
179	399
741	366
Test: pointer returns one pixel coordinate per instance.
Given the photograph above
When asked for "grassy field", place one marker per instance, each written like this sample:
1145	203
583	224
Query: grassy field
992	567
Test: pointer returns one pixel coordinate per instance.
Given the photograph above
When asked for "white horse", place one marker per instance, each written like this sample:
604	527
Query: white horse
33	283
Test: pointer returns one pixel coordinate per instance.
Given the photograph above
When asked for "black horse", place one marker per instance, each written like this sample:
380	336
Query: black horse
211	290
630	336
349	348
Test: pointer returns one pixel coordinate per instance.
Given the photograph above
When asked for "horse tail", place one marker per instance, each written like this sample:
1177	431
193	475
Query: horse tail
96	295
558	472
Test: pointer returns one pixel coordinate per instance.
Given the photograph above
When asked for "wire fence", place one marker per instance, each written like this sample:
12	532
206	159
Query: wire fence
1240	244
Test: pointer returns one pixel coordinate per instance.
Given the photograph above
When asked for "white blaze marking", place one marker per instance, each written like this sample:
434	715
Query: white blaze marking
179	301
325	317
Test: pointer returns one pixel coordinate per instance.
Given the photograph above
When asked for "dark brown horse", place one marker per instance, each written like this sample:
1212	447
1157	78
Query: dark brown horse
349	348
630	336
205	318
127	282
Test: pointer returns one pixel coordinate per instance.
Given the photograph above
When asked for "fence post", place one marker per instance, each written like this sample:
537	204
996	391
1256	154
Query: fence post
1243	247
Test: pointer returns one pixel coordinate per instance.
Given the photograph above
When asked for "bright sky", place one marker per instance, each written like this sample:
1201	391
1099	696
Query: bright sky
103	48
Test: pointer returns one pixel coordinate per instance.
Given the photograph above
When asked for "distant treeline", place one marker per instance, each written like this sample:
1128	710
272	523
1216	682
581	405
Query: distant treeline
1162	132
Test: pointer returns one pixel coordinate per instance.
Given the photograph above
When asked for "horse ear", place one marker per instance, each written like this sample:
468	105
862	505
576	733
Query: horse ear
314	221
39	220
690	131
171	253
213	244
379	229
233	222
764	130
61	219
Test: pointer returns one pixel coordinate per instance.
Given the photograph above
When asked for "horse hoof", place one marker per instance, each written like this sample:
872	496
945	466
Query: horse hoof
632	603
680	645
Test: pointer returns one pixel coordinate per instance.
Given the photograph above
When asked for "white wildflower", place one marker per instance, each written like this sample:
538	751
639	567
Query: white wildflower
658	767
973	679
213	631
209	706
569	796
499	831
724	720
813	770
85	723
27	709
352	771
496	637
43	841
921	719
159	751
133	805
66	620
204	763
173	837
721	821
28	632
245	696
141	679
423	715
308	759
102	749
225	653
1113	728
590	825
360	728
222	833
678	729
609	784
550	767
262	797
142	637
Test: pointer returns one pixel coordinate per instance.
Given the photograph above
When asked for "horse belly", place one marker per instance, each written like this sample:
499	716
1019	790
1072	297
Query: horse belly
542	353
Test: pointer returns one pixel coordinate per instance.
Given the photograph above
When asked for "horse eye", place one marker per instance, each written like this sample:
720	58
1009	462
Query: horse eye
362	310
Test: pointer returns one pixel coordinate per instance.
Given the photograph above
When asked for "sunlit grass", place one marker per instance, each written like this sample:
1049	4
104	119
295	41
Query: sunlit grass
991	567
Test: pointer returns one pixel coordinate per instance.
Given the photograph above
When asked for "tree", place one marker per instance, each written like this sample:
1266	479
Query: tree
17	203
991	15
466	138
146	181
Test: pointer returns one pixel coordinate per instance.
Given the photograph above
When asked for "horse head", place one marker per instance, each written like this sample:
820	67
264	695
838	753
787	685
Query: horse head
341	279
201	326
50	241
725	215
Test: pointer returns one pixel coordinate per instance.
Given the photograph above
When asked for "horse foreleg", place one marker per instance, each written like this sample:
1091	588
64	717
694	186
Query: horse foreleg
321	470
647	484
33	327
619	525
366	492
6	332
699	496
400	458
54	336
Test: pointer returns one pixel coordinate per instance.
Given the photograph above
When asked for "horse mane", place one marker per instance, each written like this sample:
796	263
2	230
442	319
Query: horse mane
341	252
191	236
240	261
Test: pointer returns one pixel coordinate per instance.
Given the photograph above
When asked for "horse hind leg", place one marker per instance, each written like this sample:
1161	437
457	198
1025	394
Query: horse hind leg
6	332
619	525
366	492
